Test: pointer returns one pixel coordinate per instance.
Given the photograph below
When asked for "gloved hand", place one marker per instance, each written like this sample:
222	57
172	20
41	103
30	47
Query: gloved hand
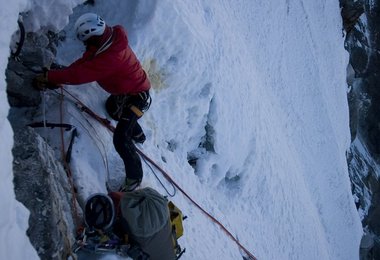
40	82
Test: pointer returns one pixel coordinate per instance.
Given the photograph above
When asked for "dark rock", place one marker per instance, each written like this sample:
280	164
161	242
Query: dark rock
351	11
19	86
42	186
363	42
359	60
366	247
20	73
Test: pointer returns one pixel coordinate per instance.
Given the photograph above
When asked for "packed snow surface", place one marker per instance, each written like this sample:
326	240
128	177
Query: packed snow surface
252	92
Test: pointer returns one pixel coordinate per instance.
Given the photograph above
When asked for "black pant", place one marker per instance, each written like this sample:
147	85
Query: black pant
126	128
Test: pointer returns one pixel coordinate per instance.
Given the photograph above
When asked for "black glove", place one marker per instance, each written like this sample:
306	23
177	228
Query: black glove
41	82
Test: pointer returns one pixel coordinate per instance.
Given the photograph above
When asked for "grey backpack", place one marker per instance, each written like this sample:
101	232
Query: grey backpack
147	216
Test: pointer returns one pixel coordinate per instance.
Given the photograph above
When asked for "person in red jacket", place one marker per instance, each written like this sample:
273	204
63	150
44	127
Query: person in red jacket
110	62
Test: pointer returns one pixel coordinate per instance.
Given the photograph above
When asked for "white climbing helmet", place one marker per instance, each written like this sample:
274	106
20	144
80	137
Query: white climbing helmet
88	25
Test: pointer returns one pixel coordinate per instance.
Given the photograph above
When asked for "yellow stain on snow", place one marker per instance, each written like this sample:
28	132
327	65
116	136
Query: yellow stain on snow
155	74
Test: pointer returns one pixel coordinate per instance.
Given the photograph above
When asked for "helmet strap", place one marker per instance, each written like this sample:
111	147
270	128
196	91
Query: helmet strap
107	43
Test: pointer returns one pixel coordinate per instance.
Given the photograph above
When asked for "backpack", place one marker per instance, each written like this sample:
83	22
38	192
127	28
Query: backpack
152	222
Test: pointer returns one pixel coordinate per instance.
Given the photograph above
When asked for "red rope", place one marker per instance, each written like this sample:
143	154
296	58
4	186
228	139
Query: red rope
166	175
107	124
67	166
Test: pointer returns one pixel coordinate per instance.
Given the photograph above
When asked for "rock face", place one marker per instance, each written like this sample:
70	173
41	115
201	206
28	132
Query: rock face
361	19
41	183
36	53
42	186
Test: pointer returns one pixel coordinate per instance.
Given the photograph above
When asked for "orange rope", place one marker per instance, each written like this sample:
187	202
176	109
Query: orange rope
166	175
107	124
67	166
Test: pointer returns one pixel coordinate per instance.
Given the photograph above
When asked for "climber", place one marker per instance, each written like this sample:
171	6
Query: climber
110	62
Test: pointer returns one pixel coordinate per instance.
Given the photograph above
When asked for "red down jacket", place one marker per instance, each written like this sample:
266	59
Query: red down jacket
116	69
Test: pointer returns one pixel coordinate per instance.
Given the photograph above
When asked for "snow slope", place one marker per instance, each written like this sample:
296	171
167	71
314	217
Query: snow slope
14	216
262	86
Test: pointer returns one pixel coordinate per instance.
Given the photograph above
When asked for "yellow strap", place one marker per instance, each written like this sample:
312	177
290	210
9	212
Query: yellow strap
176	217
137	111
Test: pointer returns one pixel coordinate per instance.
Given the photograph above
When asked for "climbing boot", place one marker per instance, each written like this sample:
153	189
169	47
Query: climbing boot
140	138
130	185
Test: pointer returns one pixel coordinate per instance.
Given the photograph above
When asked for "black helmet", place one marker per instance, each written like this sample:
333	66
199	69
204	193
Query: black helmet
99	212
